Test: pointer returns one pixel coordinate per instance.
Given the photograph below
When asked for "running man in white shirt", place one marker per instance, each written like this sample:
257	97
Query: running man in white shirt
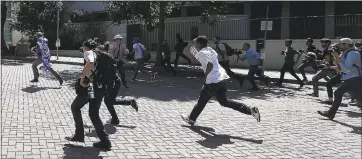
215	83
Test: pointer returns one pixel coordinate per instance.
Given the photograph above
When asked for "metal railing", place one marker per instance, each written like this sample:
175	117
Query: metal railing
244	29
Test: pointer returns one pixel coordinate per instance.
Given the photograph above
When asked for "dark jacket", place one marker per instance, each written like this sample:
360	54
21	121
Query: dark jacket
166	49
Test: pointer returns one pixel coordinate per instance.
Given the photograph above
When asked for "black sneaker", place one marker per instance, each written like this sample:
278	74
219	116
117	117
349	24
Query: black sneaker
113	121
301	85
105	145
313	94
34	80
255	113
132	80
187	120
330	116
329	102
267	81
61	82
254	89
125	85
75	138
134	105
153	77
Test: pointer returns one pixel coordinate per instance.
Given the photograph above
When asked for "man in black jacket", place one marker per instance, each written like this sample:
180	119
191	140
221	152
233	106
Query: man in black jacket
180	46
309	60
165	51
289	63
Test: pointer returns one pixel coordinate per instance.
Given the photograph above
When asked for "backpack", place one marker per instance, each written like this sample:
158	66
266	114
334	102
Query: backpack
105	72
359	69
229	50
145	53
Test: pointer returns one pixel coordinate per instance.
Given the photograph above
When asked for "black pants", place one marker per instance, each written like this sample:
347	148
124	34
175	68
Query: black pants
181	54
301	68
219	91
353	85
140	66
166	63
288	67
122	74
233	75
256	70
110	99
94	105
335	80
319	75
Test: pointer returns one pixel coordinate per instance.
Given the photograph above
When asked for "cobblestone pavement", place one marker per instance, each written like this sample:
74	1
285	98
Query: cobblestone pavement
36	118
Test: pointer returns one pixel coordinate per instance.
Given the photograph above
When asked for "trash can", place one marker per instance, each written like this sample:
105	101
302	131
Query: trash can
22	48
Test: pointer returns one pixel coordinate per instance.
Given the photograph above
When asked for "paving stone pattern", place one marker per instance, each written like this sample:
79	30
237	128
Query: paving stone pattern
35	118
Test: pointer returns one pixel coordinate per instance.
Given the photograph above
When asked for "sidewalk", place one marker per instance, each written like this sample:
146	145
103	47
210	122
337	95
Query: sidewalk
273	74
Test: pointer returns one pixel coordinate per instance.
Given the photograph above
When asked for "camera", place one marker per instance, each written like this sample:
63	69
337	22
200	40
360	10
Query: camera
237	52
90	88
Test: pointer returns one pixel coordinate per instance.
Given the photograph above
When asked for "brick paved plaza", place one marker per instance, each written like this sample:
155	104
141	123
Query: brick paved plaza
36	118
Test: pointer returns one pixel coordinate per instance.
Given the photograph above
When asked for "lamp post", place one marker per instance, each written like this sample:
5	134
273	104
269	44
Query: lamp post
57	44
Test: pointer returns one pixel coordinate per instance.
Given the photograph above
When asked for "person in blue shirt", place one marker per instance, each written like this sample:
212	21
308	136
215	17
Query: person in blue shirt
349	62
255	68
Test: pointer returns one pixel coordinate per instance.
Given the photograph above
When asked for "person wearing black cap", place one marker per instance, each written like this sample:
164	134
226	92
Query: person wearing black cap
215	84
179	47
94	101
289	62
324	60
309	59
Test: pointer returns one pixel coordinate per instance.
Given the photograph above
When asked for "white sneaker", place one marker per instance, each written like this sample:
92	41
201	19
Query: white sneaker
187	120
255	113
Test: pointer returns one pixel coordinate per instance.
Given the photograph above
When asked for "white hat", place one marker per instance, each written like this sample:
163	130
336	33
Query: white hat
346	41
118	36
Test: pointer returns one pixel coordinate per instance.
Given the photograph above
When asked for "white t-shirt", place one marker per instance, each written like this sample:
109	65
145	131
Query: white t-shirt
217	74
138	50
221	47
91	57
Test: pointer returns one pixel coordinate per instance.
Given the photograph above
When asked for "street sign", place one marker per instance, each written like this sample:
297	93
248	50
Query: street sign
269	25
57	43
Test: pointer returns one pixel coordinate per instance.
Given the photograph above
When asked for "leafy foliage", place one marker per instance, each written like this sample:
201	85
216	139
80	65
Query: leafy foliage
149	11
34	16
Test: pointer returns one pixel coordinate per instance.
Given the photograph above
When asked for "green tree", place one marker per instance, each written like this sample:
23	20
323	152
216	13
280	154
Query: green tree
35	16
153	13
4	10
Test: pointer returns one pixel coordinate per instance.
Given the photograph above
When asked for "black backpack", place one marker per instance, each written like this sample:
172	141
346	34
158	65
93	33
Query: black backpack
106	72
229	50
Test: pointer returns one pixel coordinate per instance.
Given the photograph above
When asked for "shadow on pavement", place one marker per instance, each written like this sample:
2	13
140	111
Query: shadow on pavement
109	128
33	89
356	129
9	62
213	140
354	114
73	151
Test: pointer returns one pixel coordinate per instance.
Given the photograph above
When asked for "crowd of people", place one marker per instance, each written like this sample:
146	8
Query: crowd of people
104	73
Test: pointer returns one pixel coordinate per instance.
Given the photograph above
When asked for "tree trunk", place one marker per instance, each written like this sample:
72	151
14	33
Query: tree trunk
4	48
161	30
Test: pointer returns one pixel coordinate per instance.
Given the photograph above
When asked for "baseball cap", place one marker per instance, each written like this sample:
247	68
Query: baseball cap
118	36
346	41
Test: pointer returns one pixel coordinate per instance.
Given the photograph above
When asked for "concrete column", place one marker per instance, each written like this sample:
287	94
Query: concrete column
329	19
285	26
247	11
183	12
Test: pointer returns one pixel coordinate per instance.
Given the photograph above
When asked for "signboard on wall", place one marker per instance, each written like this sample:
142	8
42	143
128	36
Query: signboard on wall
269	25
